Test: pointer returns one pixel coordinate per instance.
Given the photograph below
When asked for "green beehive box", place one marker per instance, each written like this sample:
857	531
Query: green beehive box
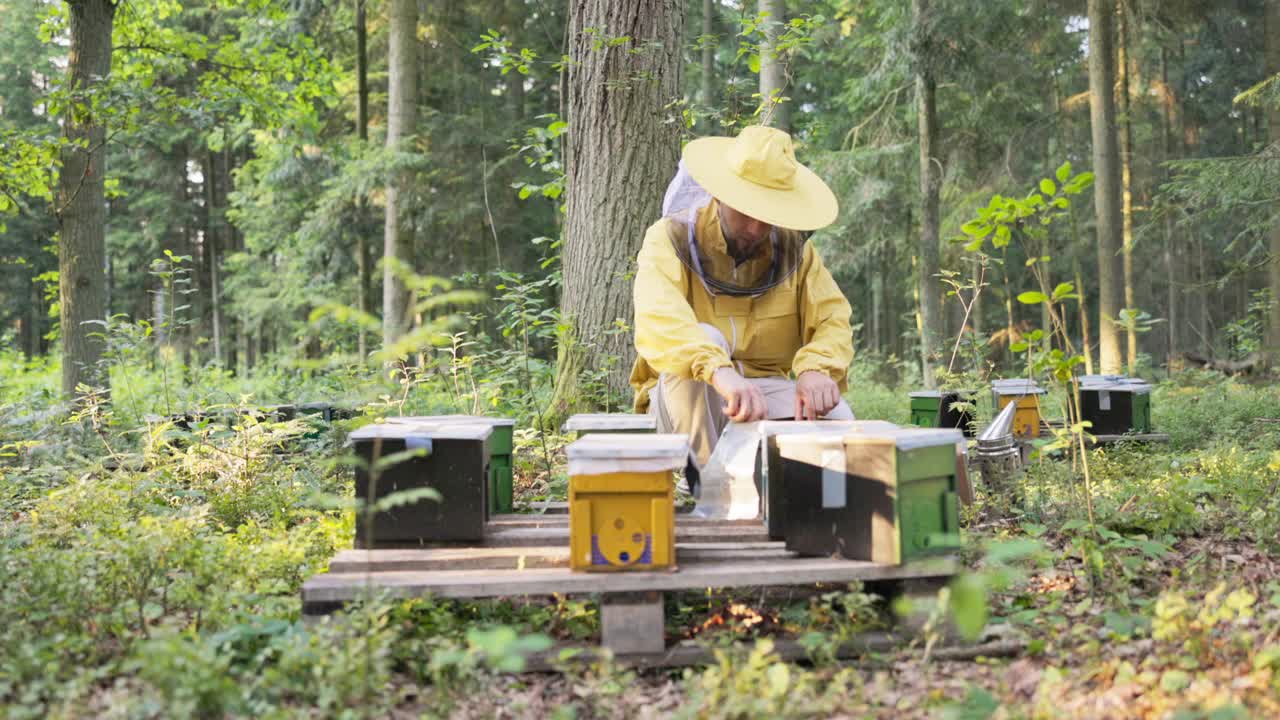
938	409
501	447
885	497
925	406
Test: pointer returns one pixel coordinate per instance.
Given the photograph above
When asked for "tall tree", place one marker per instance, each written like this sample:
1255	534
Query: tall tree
930	189
362	132
1106	162
622	149
1172	259
81	204
707	94
773	76
402	107
1123	58
1272	56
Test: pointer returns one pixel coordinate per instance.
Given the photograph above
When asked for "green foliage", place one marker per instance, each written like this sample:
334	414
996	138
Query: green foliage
754	684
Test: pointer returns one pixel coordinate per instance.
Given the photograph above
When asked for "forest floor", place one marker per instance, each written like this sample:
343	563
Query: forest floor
147	573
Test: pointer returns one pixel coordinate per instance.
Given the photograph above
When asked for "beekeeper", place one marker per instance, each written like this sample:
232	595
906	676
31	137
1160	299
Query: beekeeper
736	317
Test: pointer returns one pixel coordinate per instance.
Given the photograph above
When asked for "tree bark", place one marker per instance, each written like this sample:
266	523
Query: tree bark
930	189
1272	55
621	150
1107	188
1126	180
1170	261
362	131
81	204
402	104
773	75
877	270
707	96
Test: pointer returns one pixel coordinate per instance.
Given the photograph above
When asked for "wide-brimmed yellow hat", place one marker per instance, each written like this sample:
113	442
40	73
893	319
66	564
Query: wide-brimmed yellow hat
757	174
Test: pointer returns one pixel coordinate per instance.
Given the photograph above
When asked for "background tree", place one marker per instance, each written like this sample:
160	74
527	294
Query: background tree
1107	190
81	203
1272	58
773	69
624	75
402	98
931	327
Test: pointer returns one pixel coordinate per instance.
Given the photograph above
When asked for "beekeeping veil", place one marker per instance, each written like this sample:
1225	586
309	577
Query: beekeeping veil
757	174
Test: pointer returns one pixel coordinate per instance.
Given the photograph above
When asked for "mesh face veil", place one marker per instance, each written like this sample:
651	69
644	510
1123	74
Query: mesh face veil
683	199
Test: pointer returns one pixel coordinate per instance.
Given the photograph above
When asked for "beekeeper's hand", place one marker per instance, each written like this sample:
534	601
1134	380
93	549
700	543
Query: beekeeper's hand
816	395
743	401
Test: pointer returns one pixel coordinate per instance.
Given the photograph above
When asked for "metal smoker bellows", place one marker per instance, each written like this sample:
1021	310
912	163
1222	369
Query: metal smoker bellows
998	456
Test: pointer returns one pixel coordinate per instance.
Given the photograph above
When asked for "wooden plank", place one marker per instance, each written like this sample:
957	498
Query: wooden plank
513	520
336	588
498	536
544	508
514	558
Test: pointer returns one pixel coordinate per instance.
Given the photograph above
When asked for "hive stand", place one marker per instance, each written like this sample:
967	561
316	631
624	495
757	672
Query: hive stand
524	555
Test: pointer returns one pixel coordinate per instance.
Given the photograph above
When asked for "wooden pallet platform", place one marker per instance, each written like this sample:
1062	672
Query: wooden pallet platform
529	557
343	587
524	556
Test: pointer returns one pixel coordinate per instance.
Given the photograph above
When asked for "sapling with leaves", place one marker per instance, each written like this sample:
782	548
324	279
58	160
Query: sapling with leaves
1030	221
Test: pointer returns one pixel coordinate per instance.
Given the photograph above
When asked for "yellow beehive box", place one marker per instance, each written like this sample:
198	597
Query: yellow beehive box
622	501
1026	419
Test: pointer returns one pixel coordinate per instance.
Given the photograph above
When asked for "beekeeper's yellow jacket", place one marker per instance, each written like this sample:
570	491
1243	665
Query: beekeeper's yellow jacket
802	324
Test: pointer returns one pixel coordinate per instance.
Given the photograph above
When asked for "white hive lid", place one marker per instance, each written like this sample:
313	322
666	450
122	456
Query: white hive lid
421	430
610	421
1016	386
629	446
770	428
913	438
452	419
902	438
1117	383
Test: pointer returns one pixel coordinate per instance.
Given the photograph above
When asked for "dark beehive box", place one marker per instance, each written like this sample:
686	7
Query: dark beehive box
1115	404
770	477
501	448
883	497
937	409
455	463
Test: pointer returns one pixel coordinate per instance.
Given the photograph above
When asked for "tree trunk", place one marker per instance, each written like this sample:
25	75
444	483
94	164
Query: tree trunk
773	75
402	104
81	204
877	271
362	131
1170	261
1107	189
1126	180
1272	55
707	96
930	189
621	150
1085	340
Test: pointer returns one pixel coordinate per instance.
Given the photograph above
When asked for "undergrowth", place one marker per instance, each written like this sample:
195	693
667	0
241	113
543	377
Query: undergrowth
152	571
